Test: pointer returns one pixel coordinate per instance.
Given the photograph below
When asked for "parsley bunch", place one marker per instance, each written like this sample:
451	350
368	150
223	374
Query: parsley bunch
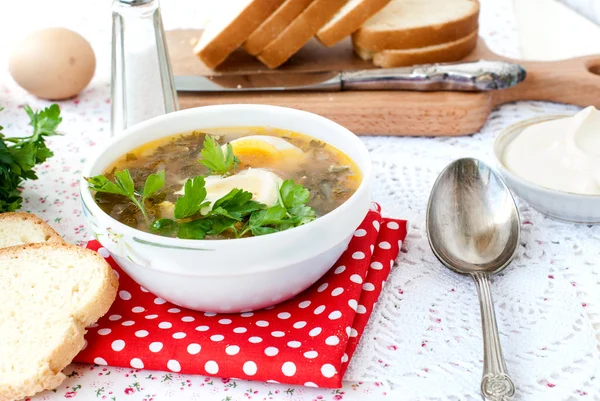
18	156
195	218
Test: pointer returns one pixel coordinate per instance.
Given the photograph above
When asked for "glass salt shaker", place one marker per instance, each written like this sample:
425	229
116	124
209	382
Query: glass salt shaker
142	84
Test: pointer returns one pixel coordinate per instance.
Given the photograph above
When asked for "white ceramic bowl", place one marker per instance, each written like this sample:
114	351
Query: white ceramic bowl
560	205
238	274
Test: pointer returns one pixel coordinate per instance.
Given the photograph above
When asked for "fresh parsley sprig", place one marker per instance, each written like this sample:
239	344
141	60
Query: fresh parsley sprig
18	156
217	161
125	186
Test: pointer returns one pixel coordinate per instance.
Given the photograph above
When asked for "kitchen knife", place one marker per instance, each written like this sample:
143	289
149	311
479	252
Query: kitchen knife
475	76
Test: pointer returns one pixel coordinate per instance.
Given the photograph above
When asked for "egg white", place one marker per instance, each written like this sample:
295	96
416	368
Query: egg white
263	184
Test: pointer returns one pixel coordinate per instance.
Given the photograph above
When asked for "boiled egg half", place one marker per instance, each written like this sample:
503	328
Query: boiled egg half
264	186
265	150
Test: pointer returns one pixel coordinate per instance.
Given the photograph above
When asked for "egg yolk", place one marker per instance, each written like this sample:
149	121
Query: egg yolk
260	153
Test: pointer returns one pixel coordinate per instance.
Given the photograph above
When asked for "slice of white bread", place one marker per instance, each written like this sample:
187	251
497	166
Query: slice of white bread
24	228
349	19
49	293
274	25
231	27
409	24
300	31
444	53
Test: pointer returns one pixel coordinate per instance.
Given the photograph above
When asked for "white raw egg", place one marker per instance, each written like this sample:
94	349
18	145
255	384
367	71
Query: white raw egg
53	63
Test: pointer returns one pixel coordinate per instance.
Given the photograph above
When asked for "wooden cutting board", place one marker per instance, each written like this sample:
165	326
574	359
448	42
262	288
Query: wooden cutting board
574	81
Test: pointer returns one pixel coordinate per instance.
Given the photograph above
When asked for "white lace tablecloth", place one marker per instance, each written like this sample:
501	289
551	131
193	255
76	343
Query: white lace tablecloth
424	339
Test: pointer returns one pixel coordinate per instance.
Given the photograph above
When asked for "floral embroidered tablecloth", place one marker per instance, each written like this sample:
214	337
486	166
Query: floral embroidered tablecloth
424	340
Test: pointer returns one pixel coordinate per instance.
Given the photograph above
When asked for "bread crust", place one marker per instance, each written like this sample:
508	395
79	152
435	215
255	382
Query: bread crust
300	31
445	53
48	375
329	35
274	25
430	35
234	34
52	236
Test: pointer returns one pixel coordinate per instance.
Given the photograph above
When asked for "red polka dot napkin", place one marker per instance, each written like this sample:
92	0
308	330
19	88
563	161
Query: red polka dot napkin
307	340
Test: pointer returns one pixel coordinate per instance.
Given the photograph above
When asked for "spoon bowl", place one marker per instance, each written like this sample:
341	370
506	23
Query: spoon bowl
472	220
473	228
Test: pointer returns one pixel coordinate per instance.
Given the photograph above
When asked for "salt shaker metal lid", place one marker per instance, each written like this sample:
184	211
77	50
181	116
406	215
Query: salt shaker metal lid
142	84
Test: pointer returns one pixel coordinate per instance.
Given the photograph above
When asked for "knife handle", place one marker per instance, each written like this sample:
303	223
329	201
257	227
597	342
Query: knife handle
475	76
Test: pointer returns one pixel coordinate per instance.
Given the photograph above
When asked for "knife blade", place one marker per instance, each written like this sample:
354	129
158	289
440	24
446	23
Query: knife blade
474	76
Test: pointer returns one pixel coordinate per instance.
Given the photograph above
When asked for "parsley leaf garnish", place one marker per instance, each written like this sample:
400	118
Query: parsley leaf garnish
195	229
153	184
191	202
125	186
164	226
292	195
18	156
217	161
236	205
259	221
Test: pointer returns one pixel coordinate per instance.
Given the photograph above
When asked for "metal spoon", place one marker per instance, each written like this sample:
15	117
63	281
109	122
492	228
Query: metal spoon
473	228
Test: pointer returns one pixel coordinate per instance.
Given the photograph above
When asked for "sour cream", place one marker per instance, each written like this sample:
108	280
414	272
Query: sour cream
561	154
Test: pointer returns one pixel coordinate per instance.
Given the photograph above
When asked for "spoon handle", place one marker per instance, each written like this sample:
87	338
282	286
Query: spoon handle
496	385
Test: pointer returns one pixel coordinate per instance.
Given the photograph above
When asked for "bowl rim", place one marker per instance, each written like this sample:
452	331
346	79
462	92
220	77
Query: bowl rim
517	128
204	244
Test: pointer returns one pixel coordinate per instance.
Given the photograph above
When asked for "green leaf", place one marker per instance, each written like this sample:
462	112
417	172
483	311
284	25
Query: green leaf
220	224
100	183
124	180
42	154
49	119
164	226
266	217
236	204
153	184
191	202
302	215
18	156
123	185
263	230
195	229
215	160
293	195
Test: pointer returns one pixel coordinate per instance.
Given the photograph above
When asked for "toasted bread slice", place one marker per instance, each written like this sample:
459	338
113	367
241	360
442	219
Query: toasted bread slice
227	31
300	31
274	25
409	24
23	228
49	293
444	53
349	19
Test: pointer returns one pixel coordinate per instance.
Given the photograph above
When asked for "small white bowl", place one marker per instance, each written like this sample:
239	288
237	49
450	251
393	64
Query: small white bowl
560	205
237	274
